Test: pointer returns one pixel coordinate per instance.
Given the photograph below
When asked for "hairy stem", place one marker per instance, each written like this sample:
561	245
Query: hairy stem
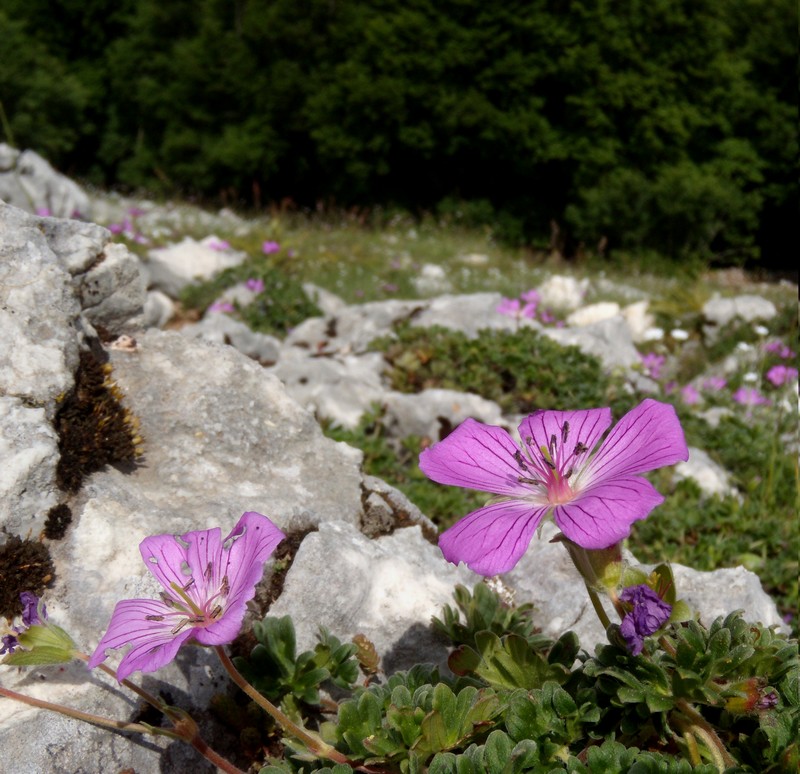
702	728
87	717
313	742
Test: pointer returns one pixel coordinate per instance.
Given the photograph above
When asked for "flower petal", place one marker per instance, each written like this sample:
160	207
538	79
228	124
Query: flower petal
249	545
492	539
569	428
647	437
475	456
602	515
153	640
166	557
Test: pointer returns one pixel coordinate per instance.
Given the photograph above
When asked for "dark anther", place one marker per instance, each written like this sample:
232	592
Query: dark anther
564	432
154	618
209	571
580	448
552	445
518	459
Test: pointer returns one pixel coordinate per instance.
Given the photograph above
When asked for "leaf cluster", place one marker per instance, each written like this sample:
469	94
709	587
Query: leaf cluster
282	305
519	703
521	371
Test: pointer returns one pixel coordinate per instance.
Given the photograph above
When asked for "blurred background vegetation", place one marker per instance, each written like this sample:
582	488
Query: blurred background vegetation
664	127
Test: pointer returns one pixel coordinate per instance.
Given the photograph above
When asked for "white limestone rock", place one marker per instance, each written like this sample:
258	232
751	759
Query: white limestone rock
340	388
468	314
609	340
562	292
172	268
386	589
29	182
720	311
710	476
29	451
223	329
433	413
39	314
588	315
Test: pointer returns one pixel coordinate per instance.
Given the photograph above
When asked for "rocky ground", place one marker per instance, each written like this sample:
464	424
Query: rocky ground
226	421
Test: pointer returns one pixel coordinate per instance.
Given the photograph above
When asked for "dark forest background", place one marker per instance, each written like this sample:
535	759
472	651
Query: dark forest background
653	126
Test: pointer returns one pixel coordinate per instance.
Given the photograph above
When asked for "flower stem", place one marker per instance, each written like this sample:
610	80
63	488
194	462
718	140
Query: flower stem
185	728
702	728
313	742
598	607
87	717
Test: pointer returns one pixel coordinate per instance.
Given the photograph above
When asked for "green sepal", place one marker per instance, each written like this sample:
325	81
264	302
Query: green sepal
42	644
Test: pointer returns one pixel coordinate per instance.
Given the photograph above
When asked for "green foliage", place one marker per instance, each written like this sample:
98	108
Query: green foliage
758	530
663	127
521	371
276	671
282	305
532	706
483	610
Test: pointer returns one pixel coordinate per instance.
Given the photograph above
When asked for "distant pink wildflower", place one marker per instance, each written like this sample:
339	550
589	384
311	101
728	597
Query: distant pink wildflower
531	296
690	395
513	307
268	248
749	396
221	306
256	284
653	363
593	489
780	374
715	383
43	212
218	244
207	583
780	349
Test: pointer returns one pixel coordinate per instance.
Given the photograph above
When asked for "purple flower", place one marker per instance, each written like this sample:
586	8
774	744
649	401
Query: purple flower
749	396
780	349
653	363
531	296
215	243
595	494
508	306
30	609
268	248
207	583
389	287
648	614
43	212
221	306
690	395
780	374
135	212
715	383
256	284
10	644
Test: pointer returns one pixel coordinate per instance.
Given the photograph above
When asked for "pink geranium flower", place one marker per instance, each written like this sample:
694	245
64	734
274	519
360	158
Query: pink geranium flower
715	383
780	374
255	284
593	490
690	395
749	396
653	362
269	247
207	583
